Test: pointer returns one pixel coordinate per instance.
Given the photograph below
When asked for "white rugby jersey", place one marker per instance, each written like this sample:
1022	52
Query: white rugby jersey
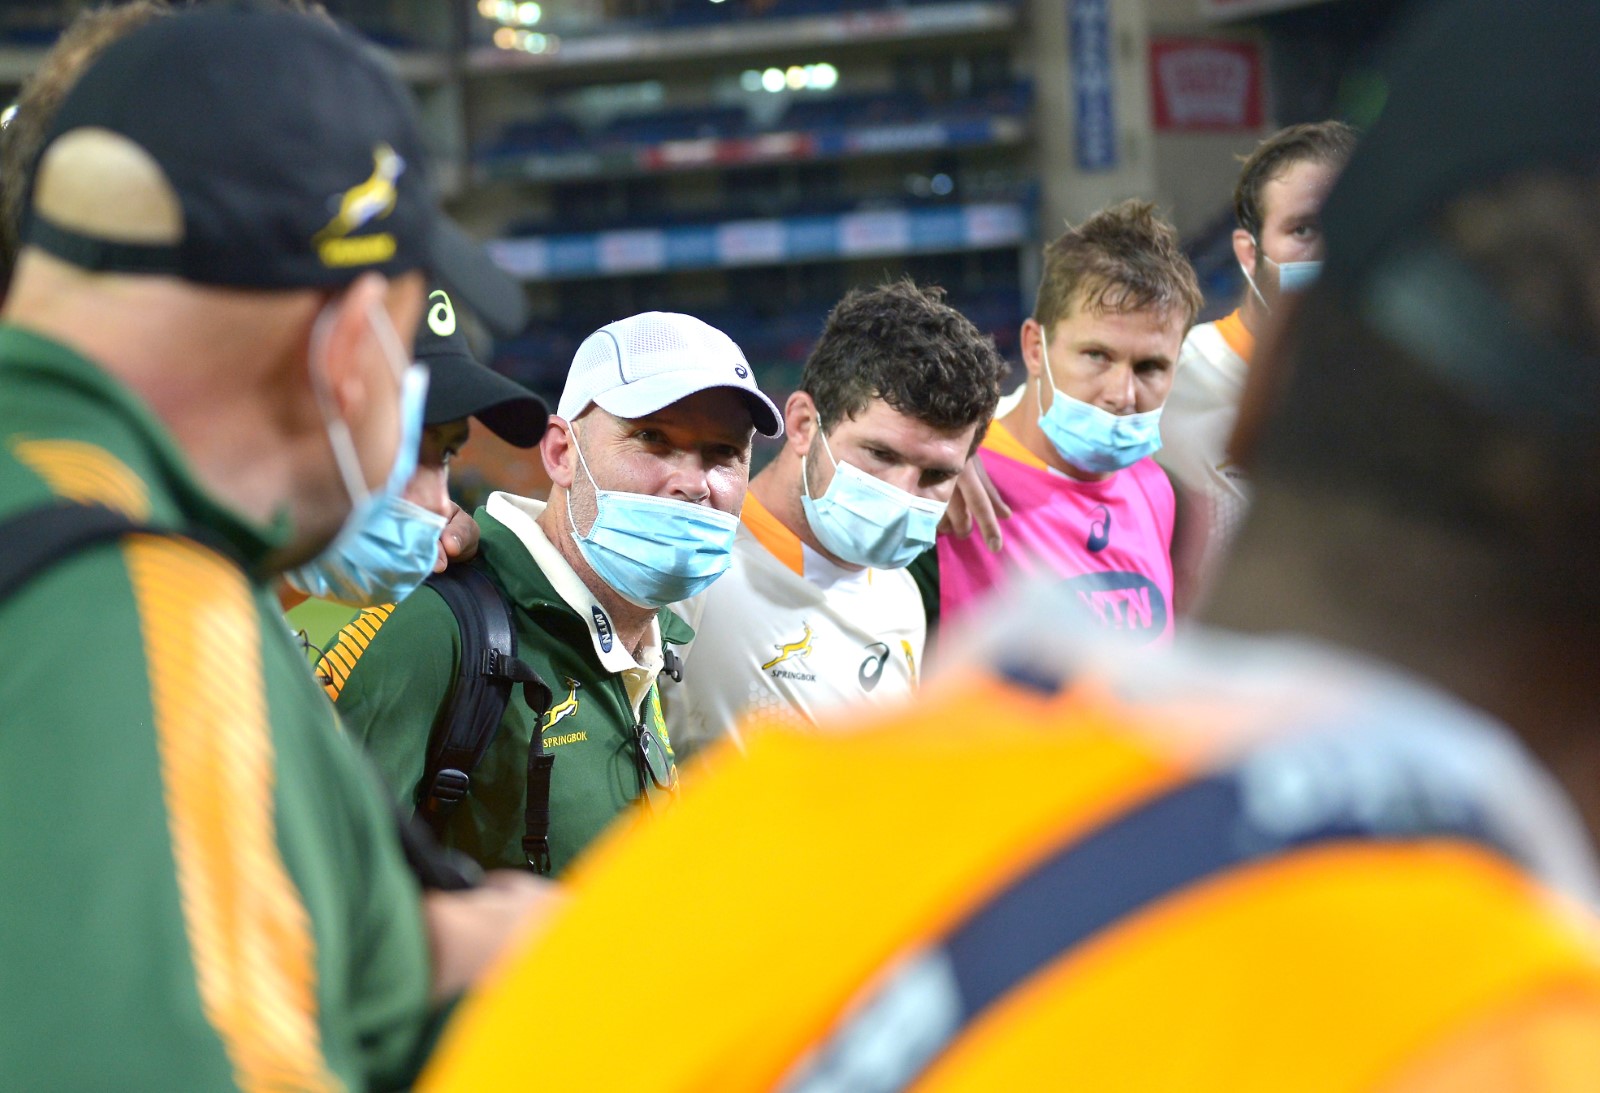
1213	495
785	631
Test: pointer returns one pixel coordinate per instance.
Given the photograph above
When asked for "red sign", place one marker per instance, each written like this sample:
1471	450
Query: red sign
1205	85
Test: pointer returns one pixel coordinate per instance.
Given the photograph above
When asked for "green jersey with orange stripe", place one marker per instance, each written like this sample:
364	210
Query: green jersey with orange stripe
203	885
393	669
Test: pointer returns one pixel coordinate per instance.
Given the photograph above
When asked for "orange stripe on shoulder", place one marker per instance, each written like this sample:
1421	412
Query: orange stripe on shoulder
1001	441
340	659
1237	335
249	933
85	473
769	531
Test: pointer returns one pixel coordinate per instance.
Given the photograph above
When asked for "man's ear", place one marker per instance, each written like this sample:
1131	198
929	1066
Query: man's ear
556	449
1032	338
339	337
800	422
1244	248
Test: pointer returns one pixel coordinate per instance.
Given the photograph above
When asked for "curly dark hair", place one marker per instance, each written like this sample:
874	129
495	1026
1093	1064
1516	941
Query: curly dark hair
1329	142
1123	258
902	343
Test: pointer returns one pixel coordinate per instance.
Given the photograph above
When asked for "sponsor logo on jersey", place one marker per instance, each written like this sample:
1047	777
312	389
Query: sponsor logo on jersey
871	670
1099	530
1128	602
800	647
602	629
562	710
369	200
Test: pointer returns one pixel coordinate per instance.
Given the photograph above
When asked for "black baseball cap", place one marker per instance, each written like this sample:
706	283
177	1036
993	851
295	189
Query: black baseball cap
459	387
295	155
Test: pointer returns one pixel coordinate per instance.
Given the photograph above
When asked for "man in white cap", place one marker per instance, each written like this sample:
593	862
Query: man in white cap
649	456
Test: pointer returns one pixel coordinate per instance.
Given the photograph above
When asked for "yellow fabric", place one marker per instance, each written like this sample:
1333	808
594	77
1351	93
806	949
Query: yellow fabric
340	660
1546	1042
249	933
804	871
85	473
1322	973
760	865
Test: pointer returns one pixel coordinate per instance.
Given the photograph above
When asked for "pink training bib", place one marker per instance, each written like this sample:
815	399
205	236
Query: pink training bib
1110	541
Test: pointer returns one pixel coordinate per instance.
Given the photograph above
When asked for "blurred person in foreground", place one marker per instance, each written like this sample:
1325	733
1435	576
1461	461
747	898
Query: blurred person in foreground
206	355
415	532
1280	247
817	608
1071	460
420	530
1348	847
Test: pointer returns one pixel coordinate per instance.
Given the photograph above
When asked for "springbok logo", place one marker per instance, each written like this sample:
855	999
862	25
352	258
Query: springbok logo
789	649
565	708
369	200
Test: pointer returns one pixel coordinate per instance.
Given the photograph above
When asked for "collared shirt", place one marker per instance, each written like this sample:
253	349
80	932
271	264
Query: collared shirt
521	515
203	885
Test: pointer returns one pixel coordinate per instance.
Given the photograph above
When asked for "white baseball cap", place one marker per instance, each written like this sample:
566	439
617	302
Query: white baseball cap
636	366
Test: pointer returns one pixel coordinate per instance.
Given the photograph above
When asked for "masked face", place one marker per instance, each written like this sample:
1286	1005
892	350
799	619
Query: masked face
865	521
653	551
1093	439
387	545
1289	247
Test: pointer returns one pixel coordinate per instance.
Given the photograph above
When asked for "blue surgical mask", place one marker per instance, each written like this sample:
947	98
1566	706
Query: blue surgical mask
653	551
1296	277
381	561
387	545
866	521
1293	277
1093	439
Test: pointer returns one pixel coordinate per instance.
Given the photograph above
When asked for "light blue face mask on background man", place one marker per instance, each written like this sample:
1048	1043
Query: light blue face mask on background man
865	521
388	545
1093	439
653	551
1293	277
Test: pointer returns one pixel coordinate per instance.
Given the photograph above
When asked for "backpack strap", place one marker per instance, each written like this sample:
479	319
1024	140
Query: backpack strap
488	670
33	540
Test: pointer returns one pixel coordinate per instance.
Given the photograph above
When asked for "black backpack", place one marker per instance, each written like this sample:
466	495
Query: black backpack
487	672
33	540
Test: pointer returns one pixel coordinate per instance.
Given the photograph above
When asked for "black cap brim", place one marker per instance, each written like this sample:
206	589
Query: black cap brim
465	269
460	388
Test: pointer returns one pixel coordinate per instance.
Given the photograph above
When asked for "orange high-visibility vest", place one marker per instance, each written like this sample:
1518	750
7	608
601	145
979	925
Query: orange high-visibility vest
1003	889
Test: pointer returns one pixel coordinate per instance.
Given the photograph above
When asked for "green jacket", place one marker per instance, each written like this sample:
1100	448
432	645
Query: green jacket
393	670
203	887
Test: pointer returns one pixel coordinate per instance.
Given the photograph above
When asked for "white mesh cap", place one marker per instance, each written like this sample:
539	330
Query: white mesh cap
636	366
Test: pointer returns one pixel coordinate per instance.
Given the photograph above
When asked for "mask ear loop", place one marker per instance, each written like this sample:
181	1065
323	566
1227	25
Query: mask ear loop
1252	280
338	430
805	479
572	428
